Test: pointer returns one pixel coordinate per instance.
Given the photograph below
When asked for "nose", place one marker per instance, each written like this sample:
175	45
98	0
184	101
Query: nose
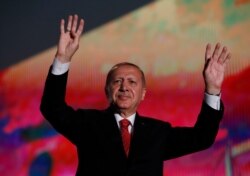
123	86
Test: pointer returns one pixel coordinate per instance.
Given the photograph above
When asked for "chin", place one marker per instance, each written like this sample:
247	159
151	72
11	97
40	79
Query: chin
123	106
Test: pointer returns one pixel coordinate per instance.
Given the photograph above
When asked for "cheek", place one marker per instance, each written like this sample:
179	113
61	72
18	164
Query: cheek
113	92
134	92
139	94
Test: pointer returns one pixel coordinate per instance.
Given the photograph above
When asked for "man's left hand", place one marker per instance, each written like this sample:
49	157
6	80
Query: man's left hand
214	69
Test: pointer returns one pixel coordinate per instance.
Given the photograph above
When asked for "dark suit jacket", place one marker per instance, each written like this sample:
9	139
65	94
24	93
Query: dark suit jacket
99	145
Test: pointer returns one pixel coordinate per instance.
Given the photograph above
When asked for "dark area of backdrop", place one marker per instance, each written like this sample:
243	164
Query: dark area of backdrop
29	27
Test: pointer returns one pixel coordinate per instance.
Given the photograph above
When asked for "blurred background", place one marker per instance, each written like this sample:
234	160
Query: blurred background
166	38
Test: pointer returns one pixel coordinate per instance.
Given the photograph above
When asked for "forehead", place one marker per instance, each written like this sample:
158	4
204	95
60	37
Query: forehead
126	70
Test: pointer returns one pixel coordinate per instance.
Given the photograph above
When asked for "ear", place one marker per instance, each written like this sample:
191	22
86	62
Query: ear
143	93
107	93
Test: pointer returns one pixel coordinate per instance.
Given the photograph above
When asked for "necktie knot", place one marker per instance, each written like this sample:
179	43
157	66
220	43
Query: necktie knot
124	123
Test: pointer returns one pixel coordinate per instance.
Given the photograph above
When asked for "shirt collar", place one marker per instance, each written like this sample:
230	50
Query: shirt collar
131	118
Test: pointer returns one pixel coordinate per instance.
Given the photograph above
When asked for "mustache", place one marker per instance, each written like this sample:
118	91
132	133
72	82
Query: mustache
125	94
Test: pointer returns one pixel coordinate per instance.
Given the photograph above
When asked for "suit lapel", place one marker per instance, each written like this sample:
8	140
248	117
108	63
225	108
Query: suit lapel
111	133
140	136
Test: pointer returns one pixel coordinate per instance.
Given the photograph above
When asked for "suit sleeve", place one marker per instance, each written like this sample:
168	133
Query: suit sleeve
54	108
185	140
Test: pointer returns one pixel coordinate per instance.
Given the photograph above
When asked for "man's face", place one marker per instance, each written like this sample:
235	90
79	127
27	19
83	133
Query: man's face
126	89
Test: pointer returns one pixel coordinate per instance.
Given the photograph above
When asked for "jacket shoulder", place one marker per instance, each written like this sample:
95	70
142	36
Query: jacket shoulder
153	121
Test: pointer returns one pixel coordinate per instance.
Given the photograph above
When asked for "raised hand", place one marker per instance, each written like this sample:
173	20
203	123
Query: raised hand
69	38
214	68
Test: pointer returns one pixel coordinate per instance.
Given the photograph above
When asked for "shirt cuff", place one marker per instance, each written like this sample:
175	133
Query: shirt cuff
59	68
213	101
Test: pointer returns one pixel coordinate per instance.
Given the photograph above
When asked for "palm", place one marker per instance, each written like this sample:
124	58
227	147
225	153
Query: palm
214	69
66	44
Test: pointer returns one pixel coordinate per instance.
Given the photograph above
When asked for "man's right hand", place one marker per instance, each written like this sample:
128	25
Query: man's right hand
69	38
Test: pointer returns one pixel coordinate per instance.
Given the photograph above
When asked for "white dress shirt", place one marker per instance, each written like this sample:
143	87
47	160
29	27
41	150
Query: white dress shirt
131	119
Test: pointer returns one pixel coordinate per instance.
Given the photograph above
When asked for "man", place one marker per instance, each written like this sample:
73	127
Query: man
118	141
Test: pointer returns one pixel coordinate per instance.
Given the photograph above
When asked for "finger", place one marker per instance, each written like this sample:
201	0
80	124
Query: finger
69	25
73	29
225	61
80	28
216	51
62	26
222	55
208	52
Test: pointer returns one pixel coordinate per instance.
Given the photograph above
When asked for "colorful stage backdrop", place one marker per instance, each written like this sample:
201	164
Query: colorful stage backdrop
167	39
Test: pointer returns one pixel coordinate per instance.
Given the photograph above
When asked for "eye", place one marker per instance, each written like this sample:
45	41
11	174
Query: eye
117	81
132	82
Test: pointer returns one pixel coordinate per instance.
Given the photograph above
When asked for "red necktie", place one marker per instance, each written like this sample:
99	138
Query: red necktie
124	123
